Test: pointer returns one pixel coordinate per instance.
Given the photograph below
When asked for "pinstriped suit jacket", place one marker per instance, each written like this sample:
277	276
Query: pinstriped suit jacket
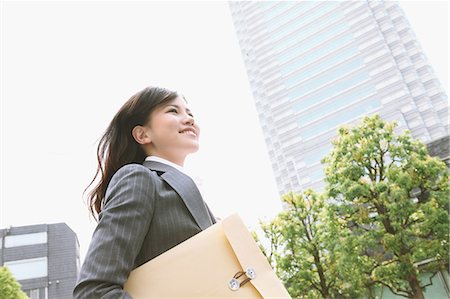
148	209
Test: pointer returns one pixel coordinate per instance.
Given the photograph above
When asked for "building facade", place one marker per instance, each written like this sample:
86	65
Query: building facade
43	258
316	65
440	148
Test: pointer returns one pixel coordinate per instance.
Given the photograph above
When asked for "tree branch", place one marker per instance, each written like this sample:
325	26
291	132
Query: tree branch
381	165
408	294
378	172
427	235
314	285
407	224
306	230
371	172
379	265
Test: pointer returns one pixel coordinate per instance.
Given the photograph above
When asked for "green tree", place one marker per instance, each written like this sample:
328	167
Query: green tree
9	287
304	249
394	197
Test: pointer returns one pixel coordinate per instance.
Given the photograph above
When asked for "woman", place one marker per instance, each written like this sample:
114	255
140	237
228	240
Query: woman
145	203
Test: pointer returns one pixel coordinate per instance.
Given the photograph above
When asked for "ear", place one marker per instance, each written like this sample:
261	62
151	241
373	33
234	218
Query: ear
141	135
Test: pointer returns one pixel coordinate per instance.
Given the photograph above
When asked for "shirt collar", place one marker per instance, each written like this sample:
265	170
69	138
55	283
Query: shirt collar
167	162
196	179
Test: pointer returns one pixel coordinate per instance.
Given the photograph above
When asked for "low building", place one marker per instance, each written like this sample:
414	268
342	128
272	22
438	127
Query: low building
440	148
44	259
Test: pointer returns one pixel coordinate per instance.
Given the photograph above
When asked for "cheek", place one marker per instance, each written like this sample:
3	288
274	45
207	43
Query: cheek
166	125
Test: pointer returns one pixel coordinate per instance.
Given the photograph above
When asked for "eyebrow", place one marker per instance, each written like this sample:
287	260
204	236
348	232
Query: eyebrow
178	107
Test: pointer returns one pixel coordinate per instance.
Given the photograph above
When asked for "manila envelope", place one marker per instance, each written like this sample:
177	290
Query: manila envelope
210	264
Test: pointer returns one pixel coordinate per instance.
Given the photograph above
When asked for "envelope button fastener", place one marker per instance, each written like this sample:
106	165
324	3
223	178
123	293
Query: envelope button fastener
234	284
250	272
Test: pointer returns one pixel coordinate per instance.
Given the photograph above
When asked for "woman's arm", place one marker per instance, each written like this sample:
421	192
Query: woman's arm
117	240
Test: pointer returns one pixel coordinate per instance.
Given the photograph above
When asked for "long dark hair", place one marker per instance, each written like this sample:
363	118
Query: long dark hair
117	146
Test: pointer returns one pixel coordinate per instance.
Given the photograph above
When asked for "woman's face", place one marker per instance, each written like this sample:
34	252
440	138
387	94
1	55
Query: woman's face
172	131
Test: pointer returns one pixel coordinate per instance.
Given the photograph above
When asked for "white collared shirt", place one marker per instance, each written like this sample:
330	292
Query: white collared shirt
167	162
195	178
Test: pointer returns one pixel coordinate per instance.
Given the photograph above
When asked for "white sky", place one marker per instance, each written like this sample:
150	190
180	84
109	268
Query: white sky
67	67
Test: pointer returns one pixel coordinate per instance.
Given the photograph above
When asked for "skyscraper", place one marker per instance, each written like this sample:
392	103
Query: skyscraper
316	65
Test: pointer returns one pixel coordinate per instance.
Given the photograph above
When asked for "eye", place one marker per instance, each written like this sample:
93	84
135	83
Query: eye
172	110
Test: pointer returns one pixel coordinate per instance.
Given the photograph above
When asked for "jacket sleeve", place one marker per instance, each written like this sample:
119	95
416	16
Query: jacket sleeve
123	224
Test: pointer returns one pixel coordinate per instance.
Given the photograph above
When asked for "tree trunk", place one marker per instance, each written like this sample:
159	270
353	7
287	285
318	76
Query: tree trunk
415	287
323	284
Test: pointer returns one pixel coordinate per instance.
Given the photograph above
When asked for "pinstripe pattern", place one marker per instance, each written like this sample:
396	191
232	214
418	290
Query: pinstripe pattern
148	209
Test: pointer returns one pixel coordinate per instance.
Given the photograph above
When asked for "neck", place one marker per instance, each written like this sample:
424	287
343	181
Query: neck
178	160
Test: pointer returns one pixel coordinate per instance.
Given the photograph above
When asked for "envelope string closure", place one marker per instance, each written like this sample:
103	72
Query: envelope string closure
234	283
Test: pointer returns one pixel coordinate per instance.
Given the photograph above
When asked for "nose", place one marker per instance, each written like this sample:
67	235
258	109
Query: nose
189	120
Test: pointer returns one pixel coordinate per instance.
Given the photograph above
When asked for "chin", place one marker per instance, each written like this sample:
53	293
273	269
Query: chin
194	148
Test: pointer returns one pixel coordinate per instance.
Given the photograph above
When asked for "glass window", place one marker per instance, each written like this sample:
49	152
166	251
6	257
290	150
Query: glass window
34	294
331	90
25	239
279	8
316	40
304	19
321	66
338	103
327	77
340	118
316	174
264	4
330	47
29	268
287	16
303	33
316	155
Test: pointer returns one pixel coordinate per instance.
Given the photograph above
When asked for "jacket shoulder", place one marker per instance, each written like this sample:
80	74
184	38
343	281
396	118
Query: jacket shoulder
134	169
132	178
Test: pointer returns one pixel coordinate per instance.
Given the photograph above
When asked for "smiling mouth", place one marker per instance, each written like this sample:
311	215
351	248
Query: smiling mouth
189	132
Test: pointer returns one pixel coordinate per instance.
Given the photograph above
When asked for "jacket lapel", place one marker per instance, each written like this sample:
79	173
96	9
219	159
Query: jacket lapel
186	189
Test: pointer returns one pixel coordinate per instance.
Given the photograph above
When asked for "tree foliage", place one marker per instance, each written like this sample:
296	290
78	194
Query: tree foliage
394	197
305	249
9	287
382	222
